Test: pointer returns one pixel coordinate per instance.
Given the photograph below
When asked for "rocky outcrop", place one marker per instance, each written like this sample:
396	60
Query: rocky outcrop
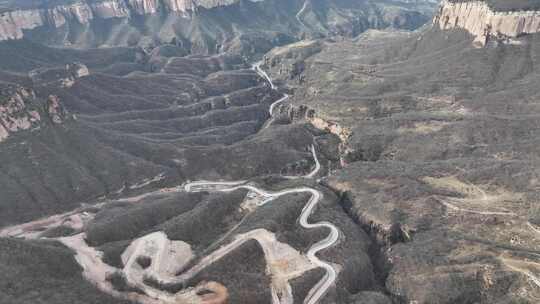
22	110
14	22
15	114
485	23
56	111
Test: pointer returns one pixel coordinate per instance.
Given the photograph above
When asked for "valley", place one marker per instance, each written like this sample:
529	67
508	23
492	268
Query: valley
325	152
98	272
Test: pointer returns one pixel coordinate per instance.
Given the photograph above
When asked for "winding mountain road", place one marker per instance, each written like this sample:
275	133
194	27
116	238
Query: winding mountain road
301	12
257	68
96	271
321	288
273	105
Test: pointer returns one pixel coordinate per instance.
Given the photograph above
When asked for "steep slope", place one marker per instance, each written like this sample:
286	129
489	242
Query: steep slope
392	167
74	133
43	271
439	152
105	139
198	26
102	122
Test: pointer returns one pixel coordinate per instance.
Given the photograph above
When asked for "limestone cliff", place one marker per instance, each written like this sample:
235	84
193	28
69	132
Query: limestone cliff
13	22
485	23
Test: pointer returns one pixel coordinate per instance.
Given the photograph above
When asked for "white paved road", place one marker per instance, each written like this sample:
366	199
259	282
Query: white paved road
301	12
95	269
321	288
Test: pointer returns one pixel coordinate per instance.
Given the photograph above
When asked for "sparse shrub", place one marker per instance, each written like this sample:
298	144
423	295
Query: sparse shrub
112	253
144	261
120	283
59	231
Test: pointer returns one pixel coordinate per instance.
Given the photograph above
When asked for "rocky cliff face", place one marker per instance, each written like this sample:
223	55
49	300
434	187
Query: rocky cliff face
485	23
14	22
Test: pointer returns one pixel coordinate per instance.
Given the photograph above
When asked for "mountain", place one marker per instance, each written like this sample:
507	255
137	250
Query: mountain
269	151
198	26
108	111
100	121
439	148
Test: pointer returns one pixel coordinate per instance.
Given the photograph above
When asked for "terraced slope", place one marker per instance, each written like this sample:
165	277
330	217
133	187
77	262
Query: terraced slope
114	132
201	241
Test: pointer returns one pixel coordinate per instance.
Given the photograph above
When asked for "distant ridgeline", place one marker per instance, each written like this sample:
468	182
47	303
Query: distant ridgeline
201	25
491	20
26	15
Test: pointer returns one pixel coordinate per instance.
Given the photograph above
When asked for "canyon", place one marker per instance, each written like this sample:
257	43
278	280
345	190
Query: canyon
14	22
269	152
201	26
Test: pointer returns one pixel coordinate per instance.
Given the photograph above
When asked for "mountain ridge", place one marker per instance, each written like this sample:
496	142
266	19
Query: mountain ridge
14	21
212	23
